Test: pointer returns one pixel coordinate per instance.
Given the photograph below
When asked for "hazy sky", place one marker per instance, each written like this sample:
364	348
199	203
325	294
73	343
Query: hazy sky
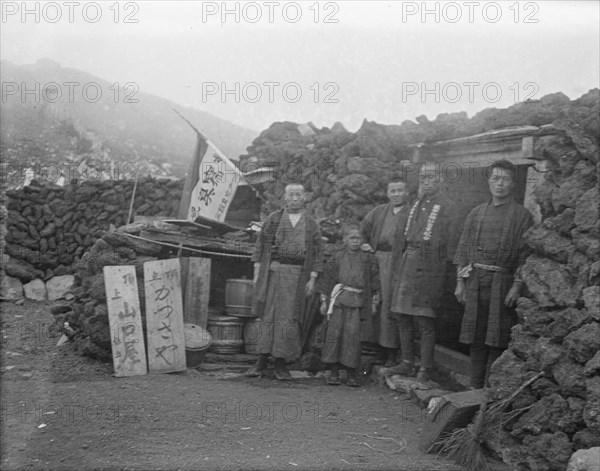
319	61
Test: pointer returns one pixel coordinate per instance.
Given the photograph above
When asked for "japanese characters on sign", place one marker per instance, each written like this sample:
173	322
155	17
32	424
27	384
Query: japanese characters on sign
217	182
127	338
164	316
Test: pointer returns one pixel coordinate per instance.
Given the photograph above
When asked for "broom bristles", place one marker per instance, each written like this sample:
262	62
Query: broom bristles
464	445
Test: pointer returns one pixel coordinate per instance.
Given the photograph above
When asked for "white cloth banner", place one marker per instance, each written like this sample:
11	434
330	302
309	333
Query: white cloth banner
218	179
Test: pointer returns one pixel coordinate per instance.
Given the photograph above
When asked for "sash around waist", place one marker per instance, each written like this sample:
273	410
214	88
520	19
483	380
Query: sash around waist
288	260
494	268
290	268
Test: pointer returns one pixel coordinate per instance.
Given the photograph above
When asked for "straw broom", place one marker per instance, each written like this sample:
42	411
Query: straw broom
465	445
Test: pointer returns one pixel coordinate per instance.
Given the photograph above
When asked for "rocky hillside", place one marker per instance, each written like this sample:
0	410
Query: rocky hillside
57	127
344	171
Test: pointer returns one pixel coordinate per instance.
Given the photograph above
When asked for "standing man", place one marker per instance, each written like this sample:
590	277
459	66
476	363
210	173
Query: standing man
287	262
489	257
378	228
422	256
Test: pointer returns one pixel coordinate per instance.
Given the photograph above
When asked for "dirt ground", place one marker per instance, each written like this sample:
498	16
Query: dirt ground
64	411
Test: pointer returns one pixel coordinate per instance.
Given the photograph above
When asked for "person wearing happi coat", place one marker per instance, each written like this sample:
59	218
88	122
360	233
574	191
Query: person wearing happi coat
349	283
489	257
422	257
287	262
379	227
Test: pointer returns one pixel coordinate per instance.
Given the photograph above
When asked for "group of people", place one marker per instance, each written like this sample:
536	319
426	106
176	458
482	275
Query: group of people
397	258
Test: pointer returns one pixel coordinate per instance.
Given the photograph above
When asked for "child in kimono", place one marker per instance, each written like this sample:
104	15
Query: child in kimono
347	286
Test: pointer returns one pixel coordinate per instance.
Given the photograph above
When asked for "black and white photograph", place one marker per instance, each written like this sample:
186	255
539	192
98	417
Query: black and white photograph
300	235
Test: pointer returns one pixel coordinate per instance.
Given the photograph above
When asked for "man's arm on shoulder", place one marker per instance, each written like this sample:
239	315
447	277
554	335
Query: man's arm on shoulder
366	224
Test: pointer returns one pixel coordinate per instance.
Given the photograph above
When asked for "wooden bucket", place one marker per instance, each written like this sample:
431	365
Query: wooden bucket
197	342
251	336
238	297
226	333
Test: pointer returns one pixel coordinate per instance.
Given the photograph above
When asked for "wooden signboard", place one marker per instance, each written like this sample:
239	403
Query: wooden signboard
164	316
197	290
126	334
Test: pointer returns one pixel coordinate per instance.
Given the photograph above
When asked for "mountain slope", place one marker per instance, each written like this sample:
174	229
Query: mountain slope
84	118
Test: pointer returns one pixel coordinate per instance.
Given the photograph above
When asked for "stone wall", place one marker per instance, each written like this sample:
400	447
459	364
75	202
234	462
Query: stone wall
87	313
559	330
49	228
345	173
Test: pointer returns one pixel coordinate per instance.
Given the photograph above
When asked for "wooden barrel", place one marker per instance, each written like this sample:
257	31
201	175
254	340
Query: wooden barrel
227	334
238	297
251	336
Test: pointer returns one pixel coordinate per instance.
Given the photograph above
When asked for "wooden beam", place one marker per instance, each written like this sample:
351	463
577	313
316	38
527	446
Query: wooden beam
450	359
197	291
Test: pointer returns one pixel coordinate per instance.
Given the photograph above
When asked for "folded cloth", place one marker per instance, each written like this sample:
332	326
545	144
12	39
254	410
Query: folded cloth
465	271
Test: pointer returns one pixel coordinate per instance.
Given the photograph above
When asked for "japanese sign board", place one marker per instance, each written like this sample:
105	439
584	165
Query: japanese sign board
164	316
126	335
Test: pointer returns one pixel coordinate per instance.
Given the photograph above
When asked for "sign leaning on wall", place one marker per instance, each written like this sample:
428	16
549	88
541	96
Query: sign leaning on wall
125	321
164	316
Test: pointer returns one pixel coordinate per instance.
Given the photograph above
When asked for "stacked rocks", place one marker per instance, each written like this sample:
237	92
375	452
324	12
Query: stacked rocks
559	329
345	173
87	314
49	228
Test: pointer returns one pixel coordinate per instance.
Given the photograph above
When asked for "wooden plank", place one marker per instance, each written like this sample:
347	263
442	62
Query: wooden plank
453	411
164	316
449	359
193	241
184	264
125	321
197	291
534	179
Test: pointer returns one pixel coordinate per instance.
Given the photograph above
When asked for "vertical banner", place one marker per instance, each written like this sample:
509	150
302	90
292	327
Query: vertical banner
164	316
125	321
217	181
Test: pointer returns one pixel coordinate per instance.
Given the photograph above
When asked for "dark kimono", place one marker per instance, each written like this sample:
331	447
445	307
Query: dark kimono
379	228
508	251
358	270
421	255
287	255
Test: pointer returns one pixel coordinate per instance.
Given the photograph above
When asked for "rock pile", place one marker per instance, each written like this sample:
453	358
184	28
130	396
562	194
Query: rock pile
344	172
49	228
87	314
559	329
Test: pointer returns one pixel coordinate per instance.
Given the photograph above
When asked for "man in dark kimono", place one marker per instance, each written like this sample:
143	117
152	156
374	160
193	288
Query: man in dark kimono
349	282
287	262
378	228
490	254
422	257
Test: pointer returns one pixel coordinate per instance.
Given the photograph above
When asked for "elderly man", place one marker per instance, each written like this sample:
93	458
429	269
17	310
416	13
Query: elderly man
287	262
379	227
422	254
489	256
